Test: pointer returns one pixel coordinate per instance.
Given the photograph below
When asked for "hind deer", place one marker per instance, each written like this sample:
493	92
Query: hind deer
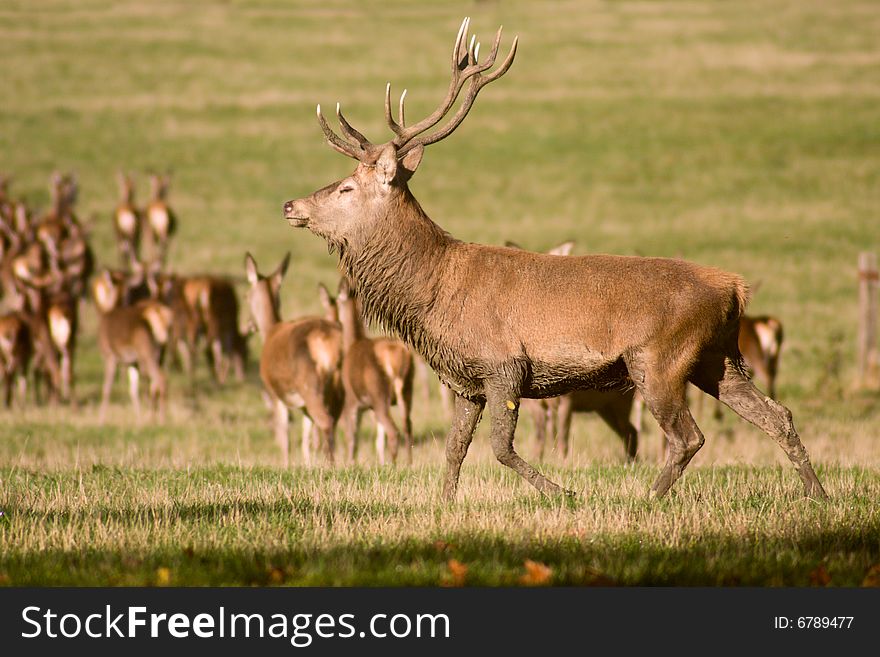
161	221
499	324
299	365
126	221
132	335
377	373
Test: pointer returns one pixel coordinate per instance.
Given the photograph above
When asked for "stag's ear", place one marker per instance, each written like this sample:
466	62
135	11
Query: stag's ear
250	269
410	162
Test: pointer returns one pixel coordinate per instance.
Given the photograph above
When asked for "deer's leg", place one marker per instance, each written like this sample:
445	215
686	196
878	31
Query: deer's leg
466	416
308	429
221	366
133	392
616	416
774	419
350	420
7	385
403	393
109	375
539	419
665	395
280	423
504	408
22	389
158	388
324	421
384	420
380	442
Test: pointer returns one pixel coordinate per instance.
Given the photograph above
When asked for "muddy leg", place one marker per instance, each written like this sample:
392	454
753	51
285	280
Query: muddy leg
466	416
504	407
772	418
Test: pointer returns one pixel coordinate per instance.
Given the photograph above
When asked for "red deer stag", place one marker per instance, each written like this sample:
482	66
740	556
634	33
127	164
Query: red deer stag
500	324
299	365
376	373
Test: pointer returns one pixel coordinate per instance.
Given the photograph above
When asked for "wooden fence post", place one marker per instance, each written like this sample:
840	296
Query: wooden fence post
869	283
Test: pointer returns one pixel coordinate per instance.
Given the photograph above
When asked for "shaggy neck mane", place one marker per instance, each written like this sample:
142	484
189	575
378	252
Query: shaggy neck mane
396	264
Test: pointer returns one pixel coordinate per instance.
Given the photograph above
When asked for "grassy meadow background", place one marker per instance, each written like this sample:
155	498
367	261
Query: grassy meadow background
742	135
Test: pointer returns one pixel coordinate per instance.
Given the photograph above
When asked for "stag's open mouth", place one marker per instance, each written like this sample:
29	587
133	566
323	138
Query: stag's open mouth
297	222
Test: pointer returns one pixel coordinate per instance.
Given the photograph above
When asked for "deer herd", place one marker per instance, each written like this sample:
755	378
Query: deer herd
501	326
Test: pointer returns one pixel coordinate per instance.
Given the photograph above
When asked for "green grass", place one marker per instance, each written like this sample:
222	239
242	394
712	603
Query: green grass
743	135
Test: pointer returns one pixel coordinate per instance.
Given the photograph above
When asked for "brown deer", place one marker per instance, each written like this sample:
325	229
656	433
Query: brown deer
500	324
126	221
16	350
376	374
299	365
760	342
161	221
203	305
134	336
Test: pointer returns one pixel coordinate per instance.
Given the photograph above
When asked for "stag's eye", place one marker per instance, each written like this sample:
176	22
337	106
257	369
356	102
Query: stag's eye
346	188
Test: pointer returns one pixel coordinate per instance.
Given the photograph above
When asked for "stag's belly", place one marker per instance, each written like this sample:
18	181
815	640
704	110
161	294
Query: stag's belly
537	379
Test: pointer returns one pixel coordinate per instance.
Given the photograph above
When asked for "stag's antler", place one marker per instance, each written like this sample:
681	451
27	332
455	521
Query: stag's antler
466	67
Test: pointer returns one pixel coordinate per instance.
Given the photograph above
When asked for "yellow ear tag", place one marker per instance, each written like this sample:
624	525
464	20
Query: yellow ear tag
510	405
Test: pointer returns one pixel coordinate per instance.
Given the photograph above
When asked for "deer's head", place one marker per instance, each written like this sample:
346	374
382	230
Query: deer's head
378	185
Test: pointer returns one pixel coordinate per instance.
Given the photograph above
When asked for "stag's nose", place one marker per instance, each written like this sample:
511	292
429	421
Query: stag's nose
296	214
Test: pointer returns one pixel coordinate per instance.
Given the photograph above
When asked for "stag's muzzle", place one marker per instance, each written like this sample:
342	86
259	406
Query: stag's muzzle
295	214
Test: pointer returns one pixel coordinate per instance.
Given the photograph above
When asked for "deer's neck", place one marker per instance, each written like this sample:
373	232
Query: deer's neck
397	269
265	317
352	326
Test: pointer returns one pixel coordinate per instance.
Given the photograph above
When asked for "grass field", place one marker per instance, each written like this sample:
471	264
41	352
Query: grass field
743	135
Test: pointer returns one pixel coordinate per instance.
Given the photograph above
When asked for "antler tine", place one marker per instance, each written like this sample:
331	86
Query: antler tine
334	140
396	128
351	133
477	82
400	113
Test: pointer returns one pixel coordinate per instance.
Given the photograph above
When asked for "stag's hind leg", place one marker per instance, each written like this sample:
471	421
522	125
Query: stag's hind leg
774	419
664	392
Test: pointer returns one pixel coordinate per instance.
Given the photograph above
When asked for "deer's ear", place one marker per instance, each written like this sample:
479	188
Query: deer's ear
324	295
278	275
250	268
410	162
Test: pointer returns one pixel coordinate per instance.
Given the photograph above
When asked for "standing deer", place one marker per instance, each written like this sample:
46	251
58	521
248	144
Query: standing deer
161	222
16	350
126	221
134	336
299	365
376	374
500	324
760	342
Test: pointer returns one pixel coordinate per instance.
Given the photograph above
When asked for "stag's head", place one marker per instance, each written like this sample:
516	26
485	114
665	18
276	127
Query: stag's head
374	190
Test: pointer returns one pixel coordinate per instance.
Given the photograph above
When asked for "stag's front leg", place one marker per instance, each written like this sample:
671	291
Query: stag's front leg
466	416
504	407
